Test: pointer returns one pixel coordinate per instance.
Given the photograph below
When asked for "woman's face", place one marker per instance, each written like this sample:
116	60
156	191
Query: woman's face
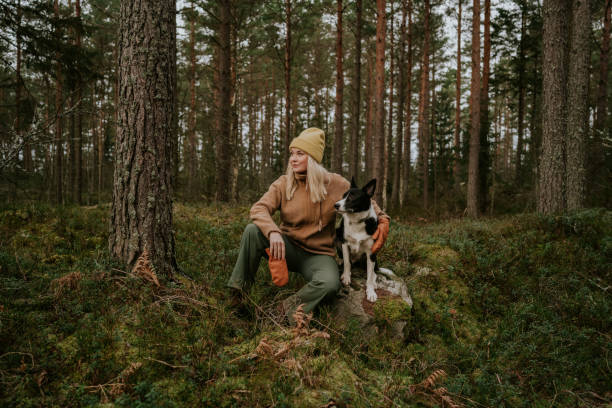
298	160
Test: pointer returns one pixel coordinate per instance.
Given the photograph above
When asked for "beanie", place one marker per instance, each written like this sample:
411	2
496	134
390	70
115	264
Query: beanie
312	141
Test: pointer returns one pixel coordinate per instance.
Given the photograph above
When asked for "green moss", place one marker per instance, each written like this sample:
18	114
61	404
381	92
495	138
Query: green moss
391	309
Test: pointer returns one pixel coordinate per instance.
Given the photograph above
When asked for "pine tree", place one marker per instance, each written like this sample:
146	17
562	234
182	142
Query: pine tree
141	216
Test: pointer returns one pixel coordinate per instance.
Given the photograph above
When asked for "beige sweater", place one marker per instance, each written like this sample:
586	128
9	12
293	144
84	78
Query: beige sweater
311	226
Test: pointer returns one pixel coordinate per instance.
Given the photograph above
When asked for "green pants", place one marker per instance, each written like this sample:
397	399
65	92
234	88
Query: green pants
321	271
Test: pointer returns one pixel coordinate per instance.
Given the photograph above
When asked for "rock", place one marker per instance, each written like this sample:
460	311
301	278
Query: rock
391	312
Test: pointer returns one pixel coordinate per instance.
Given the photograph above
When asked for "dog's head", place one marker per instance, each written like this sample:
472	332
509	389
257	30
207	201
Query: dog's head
356	199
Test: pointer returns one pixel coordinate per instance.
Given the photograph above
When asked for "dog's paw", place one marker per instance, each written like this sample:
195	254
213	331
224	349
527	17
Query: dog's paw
371	294
346	279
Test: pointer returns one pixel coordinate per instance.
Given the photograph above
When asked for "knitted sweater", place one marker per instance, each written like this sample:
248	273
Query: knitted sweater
311	226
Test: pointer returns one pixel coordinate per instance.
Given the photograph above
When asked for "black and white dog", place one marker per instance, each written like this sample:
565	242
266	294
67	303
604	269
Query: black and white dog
354	235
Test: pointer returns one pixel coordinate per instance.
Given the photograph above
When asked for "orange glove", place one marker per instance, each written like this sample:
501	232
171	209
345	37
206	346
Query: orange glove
278	270
380	236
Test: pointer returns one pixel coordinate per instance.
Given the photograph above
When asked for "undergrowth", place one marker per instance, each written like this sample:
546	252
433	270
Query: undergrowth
508	312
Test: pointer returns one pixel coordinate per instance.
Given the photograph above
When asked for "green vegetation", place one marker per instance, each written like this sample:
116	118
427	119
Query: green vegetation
513	311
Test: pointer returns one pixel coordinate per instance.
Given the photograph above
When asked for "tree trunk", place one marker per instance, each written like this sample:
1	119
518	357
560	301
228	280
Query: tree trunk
59	148
457	142
370	111
235	106
424	108
224	109
339	125
287	82
141	217
354	162
484	159
395	196
379	138
102	138
472	188
388	143
27	148
78	141
521	101
408	130
598	179
554	70
604	59
578	100
191	159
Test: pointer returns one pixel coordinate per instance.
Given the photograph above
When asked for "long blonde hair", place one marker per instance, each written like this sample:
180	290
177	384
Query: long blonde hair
316	179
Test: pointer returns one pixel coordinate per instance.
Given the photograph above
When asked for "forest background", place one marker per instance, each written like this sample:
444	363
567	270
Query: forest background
135	135
60	98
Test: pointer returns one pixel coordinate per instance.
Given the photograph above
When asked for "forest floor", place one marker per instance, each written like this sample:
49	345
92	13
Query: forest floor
515	312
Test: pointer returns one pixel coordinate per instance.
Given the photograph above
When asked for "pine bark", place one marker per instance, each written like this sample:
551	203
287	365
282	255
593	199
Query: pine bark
354	162
27	148
399	142
339	122
457	141
191	159
484	159
598	179
408	130
287	82
370	113
521	100
424	108
577	99
141	216
604	62
224	109
59	148
388	143
554	69
473	179
379	138
78	141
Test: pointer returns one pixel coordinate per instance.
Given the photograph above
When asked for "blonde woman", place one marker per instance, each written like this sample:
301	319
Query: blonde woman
305	196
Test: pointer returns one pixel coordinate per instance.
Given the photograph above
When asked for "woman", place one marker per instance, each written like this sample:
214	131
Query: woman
305	196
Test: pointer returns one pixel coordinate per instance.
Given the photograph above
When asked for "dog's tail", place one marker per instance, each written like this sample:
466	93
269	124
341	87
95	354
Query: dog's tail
387	272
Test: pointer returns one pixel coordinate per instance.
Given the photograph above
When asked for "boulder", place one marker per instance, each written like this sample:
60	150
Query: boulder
390	313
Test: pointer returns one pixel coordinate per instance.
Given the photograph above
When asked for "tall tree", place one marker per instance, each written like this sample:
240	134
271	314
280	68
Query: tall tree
424	124
370	114
389	141
191	156
399	141
577	99
141	216
473	179
356	124
59	148
484	154
288	57
604	62
457	129
408	130
223	143
78	140
339	125
598	173
379	137
554	67
522	89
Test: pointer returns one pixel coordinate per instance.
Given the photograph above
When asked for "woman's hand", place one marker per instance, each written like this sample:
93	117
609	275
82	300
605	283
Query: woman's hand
277	245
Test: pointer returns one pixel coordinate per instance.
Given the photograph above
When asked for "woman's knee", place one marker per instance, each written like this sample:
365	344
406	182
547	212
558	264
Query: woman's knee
252	230
329	284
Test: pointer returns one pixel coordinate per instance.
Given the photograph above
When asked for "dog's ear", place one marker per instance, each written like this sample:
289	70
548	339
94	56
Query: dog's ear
370	188
353	184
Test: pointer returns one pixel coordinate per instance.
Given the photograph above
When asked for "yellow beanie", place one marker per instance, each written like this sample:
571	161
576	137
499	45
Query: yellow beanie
312	141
